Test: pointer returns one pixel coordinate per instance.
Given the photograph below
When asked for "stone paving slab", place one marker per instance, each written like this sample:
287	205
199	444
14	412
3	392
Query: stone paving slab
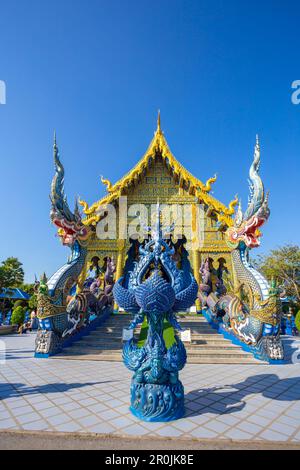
240	402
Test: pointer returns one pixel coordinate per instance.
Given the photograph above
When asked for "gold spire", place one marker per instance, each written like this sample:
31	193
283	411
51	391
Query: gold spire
158	130
197	187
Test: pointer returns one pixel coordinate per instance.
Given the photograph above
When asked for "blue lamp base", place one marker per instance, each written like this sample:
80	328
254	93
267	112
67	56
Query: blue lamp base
155	402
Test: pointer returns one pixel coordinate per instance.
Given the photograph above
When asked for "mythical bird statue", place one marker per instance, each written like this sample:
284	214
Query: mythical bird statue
156	290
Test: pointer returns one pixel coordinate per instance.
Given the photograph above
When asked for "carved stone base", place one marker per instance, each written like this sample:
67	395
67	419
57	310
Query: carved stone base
271	347
47	342
153	402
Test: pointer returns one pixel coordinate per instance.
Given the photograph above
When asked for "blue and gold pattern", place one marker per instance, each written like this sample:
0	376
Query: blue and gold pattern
156	289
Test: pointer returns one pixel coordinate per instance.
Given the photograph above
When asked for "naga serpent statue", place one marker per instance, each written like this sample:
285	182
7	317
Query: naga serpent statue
48	340
92	299
156	289
255	321
71	230
57	320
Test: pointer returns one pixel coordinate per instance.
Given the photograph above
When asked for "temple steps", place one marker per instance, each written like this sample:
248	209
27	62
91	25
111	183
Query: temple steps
115	345
111	344
117	357
206	347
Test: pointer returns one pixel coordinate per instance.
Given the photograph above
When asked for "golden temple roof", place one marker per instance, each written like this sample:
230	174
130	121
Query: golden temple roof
196	187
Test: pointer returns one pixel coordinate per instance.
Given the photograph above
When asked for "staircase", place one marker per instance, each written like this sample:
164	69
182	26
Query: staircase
206	347
102	344
209	347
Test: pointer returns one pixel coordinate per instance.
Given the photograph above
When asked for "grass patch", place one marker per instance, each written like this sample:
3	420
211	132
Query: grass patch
168	334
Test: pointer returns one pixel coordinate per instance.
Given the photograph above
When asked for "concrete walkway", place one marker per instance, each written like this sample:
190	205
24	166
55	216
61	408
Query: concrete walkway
257	403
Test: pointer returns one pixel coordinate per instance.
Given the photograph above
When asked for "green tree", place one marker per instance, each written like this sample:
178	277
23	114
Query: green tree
283	264
2	277
297	320
20	303
18	316
11	273
32	302
29	288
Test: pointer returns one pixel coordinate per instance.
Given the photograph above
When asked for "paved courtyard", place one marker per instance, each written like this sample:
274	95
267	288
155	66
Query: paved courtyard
238	402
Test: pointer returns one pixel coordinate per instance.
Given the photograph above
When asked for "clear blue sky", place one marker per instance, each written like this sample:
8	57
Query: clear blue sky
97	71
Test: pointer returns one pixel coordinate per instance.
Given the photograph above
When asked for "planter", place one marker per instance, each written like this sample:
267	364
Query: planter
8	329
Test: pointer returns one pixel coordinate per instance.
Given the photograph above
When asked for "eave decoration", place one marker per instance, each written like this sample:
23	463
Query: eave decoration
159	146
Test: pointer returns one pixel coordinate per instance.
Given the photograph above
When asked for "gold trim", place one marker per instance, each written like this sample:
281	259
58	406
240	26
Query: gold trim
159	146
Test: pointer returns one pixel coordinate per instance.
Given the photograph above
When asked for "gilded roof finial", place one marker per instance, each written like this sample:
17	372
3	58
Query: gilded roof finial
232	205
208	183
107	183
158	122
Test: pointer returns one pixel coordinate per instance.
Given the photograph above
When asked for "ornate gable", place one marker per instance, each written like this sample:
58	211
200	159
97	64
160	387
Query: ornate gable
159	175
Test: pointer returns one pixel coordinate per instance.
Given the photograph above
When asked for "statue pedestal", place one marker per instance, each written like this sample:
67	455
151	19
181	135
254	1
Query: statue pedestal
157	402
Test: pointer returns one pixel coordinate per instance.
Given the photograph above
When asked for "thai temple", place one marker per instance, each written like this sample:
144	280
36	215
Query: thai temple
158	175
233	302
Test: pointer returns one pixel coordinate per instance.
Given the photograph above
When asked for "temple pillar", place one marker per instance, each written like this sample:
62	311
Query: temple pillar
196	265
119	268
195	252
196	272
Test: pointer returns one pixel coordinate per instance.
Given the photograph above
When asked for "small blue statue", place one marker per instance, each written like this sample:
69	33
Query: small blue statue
156	289
288	325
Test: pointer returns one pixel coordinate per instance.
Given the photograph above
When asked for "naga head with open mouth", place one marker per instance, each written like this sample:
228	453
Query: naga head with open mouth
69	224
246	228
69	232
248	231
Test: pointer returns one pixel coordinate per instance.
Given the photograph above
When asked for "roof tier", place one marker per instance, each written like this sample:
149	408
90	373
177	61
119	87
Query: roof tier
159	146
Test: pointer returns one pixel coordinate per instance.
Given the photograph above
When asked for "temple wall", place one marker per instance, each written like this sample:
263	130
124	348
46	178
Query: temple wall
158	184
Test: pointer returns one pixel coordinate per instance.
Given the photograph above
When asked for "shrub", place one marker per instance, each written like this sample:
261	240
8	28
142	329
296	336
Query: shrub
32	303
297	320
20	303
18	316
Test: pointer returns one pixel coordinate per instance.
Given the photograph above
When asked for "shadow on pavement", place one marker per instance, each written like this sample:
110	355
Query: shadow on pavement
18	389
220	401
